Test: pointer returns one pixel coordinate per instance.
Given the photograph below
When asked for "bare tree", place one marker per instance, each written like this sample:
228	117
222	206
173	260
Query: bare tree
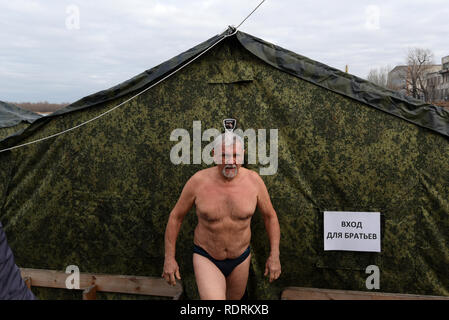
40	106
379	76
419	64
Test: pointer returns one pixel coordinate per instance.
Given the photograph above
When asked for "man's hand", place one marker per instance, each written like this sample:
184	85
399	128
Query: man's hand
171	269
273	268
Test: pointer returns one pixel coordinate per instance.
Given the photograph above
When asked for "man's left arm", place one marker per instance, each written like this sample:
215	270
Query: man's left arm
273	264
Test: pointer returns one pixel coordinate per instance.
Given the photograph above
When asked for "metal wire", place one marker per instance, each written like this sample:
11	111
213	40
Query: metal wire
234	31
250	14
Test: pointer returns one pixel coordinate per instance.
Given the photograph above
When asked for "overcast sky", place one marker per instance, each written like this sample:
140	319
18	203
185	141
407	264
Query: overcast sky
61	51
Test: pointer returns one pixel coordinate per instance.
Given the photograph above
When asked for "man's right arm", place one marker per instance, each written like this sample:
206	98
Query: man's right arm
182	207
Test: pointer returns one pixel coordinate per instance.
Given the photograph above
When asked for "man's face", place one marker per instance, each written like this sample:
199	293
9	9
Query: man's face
230	159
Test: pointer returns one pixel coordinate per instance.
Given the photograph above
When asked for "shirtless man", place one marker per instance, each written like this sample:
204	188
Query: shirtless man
225	197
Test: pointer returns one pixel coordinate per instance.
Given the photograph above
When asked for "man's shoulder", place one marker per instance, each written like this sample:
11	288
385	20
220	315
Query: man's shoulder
253	175
201	175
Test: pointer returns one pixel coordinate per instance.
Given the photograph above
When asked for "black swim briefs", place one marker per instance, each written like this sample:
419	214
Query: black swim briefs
227	265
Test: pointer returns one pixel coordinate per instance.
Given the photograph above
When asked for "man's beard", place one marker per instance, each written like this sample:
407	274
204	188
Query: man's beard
232	172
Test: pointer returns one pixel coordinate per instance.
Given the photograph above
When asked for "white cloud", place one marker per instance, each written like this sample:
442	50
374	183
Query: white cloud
40	59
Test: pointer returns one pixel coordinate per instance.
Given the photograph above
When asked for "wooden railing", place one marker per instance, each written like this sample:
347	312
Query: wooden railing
298	293
93	283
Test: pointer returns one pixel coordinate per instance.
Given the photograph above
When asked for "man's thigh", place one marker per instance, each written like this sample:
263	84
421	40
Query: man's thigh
209	279
237	280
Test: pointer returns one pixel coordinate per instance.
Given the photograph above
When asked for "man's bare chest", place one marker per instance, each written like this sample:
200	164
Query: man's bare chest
217	203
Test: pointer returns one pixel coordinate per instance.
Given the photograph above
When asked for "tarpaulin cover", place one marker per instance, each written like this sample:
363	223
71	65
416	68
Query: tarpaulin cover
99	197
10	115
14	119
12	287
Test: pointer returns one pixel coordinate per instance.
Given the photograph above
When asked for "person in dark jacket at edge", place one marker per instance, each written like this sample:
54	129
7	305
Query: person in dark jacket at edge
12	286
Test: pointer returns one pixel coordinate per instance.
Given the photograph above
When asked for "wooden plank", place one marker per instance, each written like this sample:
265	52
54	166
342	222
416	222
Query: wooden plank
105	283
90	293
298	293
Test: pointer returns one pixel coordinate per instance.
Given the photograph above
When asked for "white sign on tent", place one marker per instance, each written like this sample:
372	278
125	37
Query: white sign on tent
352	231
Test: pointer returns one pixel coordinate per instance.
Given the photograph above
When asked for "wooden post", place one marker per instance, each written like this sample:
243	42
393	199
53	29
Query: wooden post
90	293
177	296
27	281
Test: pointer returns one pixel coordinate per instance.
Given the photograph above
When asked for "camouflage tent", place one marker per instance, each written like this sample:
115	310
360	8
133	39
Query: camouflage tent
99	196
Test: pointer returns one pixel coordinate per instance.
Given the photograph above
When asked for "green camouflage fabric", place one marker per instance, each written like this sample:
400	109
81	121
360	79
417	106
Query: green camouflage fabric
99	197
8	132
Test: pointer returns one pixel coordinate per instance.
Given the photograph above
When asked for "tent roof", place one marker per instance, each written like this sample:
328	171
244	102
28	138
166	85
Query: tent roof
11	115
412	110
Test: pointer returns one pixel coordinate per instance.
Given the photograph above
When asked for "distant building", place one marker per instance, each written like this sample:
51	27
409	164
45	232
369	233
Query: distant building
399	78
438	82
